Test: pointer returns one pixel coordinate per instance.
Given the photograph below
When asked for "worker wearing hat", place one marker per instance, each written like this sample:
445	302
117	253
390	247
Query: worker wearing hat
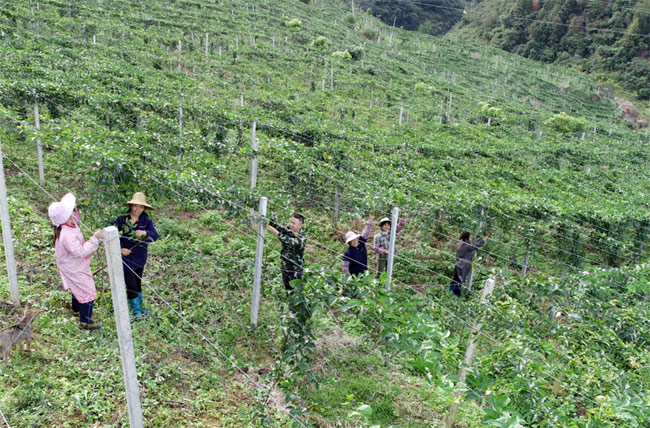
382	242
137	232
355	258
73	258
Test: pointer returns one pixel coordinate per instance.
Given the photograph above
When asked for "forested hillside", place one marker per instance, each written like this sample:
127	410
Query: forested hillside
346	116
597	36
428	17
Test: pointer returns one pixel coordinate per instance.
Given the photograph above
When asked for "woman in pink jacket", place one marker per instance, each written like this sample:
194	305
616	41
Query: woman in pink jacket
73	258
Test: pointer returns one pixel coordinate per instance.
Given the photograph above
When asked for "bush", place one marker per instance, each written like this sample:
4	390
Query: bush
491	111
356	52
172	229
370	33
320	43
423	87
350	19
565	123
294	23
344	55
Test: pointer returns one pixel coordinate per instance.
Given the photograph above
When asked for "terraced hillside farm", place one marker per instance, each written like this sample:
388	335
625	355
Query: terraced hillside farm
344	117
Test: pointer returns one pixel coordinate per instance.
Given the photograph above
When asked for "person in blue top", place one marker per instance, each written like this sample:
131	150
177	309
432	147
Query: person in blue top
355	258
137	232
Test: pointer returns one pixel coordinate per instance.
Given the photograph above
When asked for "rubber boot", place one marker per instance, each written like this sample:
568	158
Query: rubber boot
135	308
142	310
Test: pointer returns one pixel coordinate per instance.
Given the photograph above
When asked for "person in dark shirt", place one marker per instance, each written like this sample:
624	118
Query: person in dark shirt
293	241
464	256
355	258
136	233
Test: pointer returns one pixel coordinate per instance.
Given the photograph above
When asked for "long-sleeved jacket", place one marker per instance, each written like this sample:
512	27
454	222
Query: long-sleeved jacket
355	260
139	247
464	256
293	248
382	239
73	262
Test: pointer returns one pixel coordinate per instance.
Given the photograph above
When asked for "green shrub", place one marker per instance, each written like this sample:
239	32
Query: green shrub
213	220
171	228
344	55
491	111
350	19
294	23
320	43
370	33
644	94
356	52
565	123
422	87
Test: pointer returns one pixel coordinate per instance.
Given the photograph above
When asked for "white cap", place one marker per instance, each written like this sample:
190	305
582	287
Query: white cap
61	211
384	220
350	236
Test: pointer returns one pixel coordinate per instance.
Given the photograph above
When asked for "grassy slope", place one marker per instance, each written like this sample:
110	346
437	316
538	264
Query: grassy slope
121	98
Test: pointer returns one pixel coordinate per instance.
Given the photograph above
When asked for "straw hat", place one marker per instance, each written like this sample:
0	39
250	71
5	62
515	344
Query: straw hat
384	220
61	211
139	199
350	236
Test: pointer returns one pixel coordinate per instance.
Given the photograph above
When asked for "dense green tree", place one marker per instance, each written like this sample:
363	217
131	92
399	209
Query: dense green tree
598	35
429	17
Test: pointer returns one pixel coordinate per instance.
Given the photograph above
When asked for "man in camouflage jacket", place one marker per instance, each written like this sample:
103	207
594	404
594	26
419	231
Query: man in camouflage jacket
293	241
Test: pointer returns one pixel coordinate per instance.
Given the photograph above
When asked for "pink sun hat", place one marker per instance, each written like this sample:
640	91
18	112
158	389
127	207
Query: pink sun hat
350	236
61	211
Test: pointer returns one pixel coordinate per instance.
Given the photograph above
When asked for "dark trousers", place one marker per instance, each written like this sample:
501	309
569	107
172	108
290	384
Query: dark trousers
86	312
133	280
75	304
456	283
288	276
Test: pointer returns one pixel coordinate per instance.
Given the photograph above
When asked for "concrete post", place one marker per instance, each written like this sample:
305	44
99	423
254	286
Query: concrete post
39	147
259	253
6	236
524	267
123	325
180	120
179	56
255	144
478	230
337	201
391	247
469	355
